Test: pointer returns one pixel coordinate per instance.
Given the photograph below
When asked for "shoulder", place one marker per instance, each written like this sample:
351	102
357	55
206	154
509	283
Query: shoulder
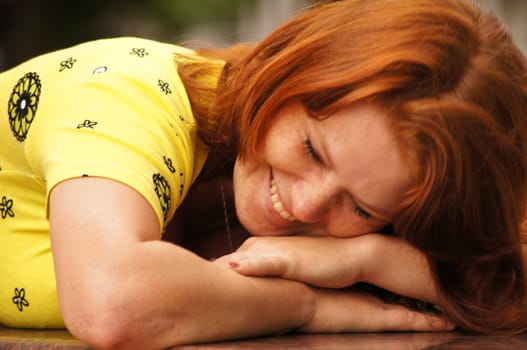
124	54
133	46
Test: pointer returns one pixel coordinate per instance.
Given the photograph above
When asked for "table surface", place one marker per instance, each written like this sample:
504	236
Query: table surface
61	339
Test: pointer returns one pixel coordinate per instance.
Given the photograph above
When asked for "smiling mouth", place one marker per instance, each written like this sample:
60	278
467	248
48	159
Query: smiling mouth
277	203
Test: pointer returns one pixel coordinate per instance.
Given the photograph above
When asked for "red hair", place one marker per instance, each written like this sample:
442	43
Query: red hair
455	86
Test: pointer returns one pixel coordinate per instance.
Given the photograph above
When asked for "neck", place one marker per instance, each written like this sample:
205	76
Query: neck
207	238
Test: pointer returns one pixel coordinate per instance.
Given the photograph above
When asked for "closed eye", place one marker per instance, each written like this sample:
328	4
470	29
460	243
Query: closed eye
311	152
361	212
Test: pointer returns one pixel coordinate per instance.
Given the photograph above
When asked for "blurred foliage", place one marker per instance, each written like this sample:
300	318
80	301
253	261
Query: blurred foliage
181	14
31	27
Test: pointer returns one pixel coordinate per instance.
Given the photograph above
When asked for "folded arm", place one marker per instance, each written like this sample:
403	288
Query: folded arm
329	262
120	287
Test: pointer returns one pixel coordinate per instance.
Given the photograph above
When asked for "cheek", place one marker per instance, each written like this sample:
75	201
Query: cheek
248	184
239	179
236	176
239	185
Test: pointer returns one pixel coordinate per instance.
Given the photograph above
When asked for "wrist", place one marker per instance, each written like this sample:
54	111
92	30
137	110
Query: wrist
363	253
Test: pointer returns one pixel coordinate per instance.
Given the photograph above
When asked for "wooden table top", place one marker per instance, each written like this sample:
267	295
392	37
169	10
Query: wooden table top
61	339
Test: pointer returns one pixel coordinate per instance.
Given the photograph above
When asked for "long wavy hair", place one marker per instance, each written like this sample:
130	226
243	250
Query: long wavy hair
455	87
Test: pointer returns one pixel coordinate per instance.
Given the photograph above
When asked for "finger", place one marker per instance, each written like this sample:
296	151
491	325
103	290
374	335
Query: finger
400	318
260	266
230	259
222	260
225	258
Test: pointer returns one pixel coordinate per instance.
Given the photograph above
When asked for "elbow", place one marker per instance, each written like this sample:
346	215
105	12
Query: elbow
103	321
99	329
115	324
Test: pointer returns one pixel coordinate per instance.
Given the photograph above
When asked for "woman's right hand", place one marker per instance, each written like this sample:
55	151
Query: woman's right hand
329	262
348	310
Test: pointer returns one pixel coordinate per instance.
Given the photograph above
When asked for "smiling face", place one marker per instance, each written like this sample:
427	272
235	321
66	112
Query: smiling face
341	176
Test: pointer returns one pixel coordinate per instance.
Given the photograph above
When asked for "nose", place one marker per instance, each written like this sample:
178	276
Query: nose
312	199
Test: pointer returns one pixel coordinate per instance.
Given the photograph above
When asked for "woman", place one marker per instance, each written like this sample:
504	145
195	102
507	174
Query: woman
352	118
454	87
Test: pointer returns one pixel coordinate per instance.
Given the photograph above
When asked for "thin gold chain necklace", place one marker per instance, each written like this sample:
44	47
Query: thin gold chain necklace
226	216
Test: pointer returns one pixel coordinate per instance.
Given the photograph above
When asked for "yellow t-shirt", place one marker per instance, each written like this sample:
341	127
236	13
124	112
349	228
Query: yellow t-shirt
112	108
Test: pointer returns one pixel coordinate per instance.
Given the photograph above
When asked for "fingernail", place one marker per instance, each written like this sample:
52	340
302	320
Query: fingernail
234	264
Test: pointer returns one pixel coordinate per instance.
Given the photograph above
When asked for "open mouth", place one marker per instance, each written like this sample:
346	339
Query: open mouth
277	203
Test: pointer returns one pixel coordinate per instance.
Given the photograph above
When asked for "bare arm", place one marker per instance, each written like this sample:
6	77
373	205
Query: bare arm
387	262
334	263
120	287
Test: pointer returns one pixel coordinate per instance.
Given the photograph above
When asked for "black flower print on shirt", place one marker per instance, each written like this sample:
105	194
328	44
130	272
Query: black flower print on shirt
87	124
67	64
23	103
168	163
6	208
162	189
139	52
164	87
20	299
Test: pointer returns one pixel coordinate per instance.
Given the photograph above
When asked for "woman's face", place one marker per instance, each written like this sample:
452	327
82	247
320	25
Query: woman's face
341	176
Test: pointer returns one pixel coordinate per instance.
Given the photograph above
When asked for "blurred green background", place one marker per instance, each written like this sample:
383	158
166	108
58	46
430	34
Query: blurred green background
31	27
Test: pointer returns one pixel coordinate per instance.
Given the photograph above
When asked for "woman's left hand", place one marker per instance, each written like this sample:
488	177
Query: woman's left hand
348	310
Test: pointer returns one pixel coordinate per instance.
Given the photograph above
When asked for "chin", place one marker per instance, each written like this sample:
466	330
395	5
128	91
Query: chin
256	230
262	230
248	224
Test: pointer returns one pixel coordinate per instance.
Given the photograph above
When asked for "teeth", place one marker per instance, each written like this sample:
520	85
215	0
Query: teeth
277	204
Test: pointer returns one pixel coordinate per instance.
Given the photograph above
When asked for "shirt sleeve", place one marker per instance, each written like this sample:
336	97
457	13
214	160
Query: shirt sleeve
123	126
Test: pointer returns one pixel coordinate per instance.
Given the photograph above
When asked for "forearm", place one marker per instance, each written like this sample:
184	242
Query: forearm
329	262
335	263
164	295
